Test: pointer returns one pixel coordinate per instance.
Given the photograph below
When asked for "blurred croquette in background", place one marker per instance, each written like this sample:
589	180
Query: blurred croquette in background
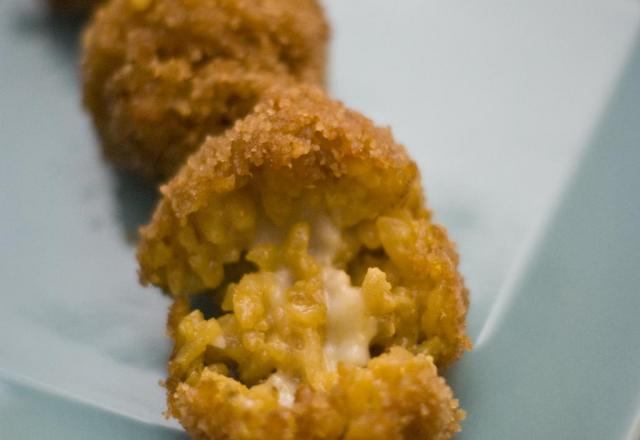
159	76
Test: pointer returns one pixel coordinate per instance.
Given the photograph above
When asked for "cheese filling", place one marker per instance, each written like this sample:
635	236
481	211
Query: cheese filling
286	387
325	241
278	295
349	330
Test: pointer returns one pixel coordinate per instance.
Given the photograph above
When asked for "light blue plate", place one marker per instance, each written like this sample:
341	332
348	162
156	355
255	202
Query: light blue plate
525	120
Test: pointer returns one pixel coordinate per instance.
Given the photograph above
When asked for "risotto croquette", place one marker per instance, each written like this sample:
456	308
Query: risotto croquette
330	296
161	75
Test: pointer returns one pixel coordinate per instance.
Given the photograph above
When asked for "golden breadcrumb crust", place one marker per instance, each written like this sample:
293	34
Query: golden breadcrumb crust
330	294
161	75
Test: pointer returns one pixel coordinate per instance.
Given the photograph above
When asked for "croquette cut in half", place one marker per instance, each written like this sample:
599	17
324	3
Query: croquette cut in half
161	75
330	296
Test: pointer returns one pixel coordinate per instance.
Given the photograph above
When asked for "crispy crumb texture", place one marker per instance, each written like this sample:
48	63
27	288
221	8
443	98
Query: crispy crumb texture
329	295
161	75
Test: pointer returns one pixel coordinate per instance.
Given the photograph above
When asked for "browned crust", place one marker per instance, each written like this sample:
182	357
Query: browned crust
296	128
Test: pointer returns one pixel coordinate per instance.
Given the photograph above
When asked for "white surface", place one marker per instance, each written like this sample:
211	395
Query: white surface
495	99
559	355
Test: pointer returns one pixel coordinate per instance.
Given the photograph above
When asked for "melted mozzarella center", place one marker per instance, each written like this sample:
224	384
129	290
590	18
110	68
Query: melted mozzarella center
349	330
286	387
325	241
283	281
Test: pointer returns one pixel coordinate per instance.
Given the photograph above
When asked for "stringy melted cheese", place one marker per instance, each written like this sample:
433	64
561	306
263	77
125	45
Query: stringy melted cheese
349	329
286	387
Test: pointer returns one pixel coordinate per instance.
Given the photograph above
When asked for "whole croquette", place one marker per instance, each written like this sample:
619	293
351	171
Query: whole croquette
334	296
161	75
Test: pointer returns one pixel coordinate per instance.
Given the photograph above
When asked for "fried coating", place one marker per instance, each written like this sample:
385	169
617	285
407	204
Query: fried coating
335	296
161	75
